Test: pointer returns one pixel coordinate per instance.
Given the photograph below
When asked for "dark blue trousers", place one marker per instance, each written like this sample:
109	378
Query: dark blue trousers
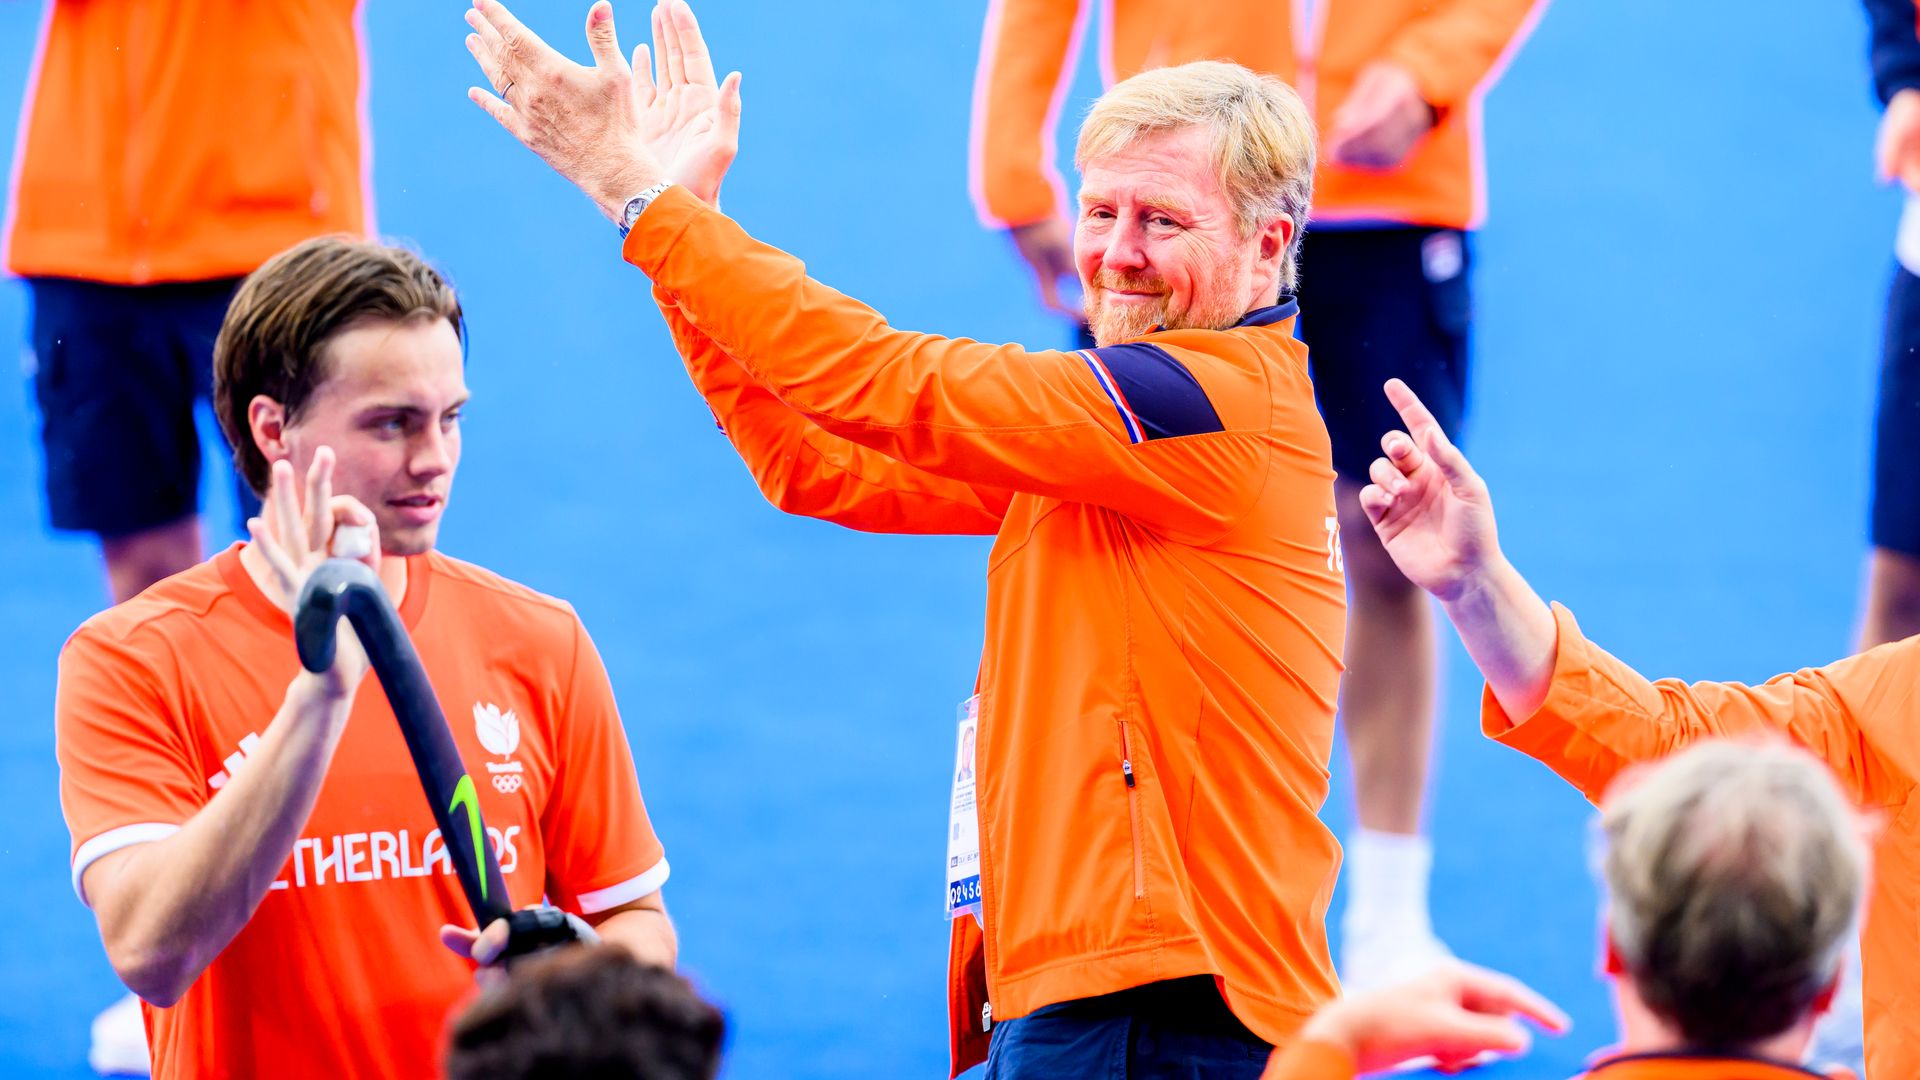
1174	1030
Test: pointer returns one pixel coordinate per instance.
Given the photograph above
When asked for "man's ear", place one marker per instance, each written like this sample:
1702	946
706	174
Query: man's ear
1610	961
267	422
1275	235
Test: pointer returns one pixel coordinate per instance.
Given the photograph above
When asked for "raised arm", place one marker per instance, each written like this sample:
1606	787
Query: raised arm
801	469
1559	698
1078	426
171	875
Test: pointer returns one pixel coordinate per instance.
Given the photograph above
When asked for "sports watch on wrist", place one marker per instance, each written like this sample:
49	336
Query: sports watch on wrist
638	205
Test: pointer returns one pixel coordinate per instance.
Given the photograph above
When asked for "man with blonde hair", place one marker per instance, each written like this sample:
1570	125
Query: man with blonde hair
1395	88
1135	867
1734	876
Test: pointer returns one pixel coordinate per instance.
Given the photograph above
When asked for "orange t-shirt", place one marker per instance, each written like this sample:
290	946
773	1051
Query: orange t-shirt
187	140
340	971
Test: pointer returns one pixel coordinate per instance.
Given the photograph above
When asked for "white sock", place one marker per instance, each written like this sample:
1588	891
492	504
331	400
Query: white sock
1387	884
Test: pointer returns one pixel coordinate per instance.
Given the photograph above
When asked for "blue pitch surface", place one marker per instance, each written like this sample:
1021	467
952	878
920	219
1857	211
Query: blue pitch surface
1678	303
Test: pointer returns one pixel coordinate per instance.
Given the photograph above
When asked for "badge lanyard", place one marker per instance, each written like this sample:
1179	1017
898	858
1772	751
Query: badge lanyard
963	819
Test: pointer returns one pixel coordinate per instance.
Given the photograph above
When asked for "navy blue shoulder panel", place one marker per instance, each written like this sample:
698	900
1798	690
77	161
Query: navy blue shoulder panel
1287	308
1157	396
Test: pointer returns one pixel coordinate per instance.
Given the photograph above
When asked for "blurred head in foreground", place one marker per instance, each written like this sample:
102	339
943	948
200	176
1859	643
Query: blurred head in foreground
591	1012
1734	876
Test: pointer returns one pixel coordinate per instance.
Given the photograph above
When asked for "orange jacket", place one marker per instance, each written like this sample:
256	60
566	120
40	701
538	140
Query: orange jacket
186	140
1454	49
1320	1061
1859	714
1165	613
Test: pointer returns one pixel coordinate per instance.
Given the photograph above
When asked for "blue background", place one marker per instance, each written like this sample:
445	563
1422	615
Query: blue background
1678	305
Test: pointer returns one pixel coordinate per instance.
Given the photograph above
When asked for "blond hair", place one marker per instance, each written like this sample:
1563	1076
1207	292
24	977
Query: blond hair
1734	874
1263	138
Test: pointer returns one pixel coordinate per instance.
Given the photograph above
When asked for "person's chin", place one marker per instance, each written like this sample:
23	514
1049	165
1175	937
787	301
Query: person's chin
403	541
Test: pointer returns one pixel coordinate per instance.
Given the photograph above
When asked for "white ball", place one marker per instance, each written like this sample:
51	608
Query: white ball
352	541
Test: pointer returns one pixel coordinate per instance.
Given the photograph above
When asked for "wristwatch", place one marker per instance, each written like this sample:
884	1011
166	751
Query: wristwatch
638	205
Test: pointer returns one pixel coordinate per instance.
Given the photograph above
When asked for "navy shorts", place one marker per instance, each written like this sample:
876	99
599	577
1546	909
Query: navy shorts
1377	304
117	370
1896	427
1162	1031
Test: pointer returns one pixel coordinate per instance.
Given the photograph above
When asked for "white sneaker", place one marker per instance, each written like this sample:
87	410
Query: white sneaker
1376	957
120	1041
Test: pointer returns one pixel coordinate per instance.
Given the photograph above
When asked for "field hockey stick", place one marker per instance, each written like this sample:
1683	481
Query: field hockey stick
347	588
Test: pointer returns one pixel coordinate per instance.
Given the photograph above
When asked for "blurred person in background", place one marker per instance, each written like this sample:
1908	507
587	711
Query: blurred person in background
1395	89
1734	876
591	1011
1155	696
1556	696
167	148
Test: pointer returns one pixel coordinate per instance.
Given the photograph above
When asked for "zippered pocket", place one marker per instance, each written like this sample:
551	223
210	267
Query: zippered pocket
1133	814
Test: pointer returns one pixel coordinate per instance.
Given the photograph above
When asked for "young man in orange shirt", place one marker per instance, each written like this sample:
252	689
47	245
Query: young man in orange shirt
167	149
251	837
1734	876
1560	698
1164	605
1394	87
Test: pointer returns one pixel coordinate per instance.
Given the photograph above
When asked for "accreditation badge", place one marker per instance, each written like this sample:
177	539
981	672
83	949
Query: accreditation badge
963	819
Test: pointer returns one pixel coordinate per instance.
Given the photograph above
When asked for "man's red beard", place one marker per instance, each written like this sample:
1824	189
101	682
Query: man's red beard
1115	323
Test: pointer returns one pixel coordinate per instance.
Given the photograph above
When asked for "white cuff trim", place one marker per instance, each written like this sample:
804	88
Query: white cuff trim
599	900
111	841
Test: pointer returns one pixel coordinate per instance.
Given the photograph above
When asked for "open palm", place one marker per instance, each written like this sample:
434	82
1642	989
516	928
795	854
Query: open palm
689	121
1432	512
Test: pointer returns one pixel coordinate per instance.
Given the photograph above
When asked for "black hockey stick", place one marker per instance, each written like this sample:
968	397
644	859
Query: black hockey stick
346	588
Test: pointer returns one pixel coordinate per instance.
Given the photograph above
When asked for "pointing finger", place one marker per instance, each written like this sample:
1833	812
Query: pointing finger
1453	464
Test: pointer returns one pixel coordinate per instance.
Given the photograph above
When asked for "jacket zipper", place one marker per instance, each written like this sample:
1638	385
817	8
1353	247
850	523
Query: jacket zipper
1133	815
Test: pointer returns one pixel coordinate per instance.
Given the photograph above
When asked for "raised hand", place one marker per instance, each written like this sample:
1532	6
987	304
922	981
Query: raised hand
295	534
687	119
609	131
1431	510
1453	1015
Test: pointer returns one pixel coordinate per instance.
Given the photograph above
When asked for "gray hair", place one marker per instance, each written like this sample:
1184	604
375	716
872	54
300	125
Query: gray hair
1735	875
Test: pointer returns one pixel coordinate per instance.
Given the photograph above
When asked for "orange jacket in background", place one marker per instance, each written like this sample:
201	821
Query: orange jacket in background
1320	1061
1454	49
187	139
1165	613
1861	714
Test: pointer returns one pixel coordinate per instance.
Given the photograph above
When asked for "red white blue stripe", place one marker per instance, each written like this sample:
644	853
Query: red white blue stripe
1130	420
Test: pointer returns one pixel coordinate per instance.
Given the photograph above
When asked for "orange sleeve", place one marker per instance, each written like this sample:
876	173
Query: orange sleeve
127	775
1025	66
801	469
600	845
1460	44
1309	1060
995	416
1601	716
